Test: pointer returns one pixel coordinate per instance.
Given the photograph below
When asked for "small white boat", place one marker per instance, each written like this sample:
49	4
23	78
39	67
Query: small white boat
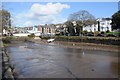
50	40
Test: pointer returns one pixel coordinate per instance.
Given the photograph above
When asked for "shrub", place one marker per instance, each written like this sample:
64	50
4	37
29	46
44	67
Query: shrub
107	31
85	39
46	37
110	35
102	32
84	32
8	39
31	35
96	33
97	40
100	35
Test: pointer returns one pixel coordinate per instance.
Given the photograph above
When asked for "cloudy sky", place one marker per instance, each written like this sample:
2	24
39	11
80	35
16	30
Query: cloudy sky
36	13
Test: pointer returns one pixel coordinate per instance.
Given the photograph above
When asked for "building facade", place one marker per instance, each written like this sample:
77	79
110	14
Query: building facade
104	24
47	29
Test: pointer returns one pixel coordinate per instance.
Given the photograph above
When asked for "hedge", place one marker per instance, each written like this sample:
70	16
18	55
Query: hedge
85	39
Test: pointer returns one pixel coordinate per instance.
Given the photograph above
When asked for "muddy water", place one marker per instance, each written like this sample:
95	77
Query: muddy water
50	60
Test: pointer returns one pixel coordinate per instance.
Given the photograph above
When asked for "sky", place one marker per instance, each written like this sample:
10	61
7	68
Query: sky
37	13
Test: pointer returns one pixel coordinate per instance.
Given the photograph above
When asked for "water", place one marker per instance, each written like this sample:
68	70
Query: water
50	60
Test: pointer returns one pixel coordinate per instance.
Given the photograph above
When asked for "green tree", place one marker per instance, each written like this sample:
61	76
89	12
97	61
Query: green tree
116	20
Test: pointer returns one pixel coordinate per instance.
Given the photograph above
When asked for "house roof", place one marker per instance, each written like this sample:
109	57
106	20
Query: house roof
47	26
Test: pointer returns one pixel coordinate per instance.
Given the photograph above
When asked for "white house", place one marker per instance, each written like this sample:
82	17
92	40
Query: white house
104	23
90	28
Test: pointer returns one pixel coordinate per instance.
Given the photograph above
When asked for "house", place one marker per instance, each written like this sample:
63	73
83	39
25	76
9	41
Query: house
47	29
103	25
91	28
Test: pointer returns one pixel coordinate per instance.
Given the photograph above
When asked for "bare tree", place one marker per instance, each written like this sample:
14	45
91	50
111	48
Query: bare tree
6	21
83	18
70	28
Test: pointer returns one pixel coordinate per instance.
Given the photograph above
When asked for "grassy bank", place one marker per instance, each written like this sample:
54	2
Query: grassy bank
13	38
96	40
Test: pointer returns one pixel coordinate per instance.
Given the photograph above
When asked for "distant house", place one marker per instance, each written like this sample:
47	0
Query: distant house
28	28
47	29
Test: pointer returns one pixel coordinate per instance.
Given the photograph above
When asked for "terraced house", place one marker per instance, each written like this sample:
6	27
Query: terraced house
47	29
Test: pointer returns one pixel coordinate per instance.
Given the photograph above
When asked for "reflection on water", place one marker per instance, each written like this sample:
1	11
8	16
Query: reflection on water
52	61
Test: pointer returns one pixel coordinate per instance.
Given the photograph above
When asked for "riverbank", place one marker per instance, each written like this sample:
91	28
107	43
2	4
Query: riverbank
73	44
86	39
78	45
7	68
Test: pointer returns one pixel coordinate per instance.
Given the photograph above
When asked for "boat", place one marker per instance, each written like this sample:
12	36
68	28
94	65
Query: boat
50	40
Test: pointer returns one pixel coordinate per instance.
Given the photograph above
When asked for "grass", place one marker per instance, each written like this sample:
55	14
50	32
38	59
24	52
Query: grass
113	33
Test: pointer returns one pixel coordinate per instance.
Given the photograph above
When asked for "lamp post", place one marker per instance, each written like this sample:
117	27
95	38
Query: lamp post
98	21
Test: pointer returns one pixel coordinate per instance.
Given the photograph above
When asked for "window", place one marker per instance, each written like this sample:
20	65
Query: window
94	29
107	28
102	28
102	23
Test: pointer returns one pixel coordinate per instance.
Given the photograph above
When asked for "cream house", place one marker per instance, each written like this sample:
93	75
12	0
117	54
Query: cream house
104	24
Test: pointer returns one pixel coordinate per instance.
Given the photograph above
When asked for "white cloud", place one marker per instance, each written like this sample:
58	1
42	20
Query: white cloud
48	9
41	14
46	13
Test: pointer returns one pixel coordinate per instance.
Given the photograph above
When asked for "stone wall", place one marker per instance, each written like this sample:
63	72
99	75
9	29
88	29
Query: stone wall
7	68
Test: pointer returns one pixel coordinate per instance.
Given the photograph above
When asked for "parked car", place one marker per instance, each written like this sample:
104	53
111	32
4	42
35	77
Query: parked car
89	34
100	35
110	35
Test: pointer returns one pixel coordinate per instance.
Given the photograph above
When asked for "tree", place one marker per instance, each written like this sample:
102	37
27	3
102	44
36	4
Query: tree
83	18
70	27
116	20
60	31
0	25
78	27
5	16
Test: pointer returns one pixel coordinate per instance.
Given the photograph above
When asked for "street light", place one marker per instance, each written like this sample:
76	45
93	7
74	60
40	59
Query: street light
98	21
